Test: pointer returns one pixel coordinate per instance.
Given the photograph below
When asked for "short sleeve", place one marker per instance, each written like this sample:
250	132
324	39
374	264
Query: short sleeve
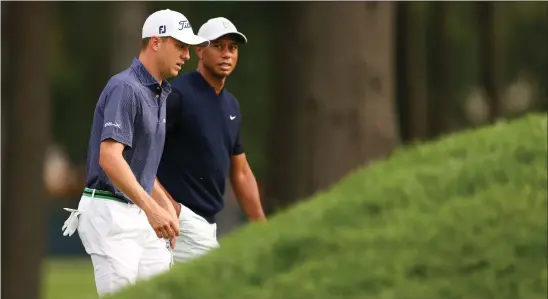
238	147
119	113
173	110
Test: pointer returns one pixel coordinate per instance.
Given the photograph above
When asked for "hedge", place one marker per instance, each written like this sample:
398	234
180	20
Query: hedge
461	217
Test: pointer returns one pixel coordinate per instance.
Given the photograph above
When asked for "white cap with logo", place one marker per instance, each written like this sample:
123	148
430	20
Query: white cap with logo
217	27
174	24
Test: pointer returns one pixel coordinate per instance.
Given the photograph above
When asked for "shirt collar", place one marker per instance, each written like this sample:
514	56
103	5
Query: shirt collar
146	78
203	81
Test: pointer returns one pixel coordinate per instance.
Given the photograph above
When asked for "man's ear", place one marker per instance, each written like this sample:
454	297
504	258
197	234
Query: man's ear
155	42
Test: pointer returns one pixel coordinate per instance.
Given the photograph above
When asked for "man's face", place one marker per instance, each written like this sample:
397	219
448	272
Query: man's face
172	55
221	56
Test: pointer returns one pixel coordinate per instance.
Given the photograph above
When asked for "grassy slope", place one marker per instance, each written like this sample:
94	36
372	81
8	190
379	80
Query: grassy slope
464	217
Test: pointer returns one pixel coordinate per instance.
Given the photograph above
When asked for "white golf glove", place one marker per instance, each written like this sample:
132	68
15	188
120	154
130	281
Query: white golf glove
71	224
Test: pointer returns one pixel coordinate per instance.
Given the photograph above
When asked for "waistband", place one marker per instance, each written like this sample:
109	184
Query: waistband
104	195
210	219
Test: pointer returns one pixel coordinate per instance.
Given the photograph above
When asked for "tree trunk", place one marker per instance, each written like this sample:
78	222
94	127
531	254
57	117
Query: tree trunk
127	18
488	54
441	103
412	80
335	108
28	122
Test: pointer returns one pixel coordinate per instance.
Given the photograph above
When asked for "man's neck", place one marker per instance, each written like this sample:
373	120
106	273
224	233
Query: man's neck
150	67
214	81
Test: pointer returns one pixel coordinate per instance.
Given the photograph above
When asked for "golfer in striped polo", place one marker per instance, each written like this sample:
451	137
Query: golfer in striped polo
124	217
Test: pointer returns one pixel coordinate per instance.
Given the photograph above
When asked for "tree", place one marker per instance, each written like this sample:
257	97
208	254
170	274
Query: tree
27	118
334	110
489	57
412	75
441	101
125	40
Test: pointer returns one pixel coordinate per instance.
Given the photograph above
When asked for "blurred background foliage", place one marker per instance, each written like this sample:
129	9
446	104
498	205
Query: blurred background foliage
79	63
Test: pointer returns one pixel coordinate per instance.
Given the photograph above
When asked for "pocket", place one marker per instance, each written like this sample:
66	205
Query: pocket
189	219
94	226
121	218
195	230
187	214
104	222
84	203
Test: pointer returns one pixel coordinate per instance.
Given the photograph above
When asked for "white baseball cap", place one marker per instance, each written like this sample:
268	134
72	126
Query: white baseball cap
217	27
174	24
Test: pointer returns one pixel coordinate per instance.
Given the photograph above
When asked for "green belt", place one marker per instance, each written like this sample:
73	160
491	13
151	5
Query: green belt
104	195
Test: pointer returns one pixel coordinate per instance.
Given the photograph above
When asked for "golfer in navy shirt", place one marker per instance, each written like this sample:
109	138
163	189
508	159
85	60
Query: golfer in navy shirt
124	217
203	144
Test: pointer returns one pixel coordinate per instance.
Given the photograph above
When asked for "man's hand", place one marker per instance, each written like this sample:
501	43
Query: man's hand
162	222
164	200
173	241
117	169
177	208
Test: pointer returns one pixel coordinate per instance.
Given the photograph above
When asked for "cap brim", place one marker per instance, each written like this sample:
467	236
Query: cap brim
192	40
238	35
242	37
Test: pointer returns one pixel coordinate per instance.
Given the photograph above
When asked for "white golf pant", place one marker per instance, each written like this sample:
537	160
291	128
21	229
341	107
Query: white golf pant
123	246
196	236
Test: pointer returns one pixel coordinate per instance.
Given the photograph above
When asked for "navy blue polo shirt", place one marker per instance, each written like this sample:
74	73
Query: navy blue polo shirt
203	132
131	110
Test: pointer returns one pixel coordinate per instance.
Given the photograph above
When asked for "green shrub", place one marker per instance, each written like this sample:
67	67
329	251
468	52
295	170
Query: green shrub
462	217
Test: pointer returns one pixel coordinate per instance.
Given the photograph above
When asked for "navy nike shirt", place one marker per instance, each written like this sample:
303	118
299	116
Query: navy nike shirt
203	132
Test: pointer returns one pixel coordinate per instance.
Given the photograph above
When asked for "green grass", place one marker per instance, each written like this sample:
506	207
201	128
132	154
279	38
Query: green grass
463	217
68	279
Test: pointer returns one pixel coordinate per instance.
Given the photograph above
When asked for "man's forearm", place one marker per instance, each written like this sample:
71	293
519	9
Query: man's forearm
247	193
123	178
159	194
